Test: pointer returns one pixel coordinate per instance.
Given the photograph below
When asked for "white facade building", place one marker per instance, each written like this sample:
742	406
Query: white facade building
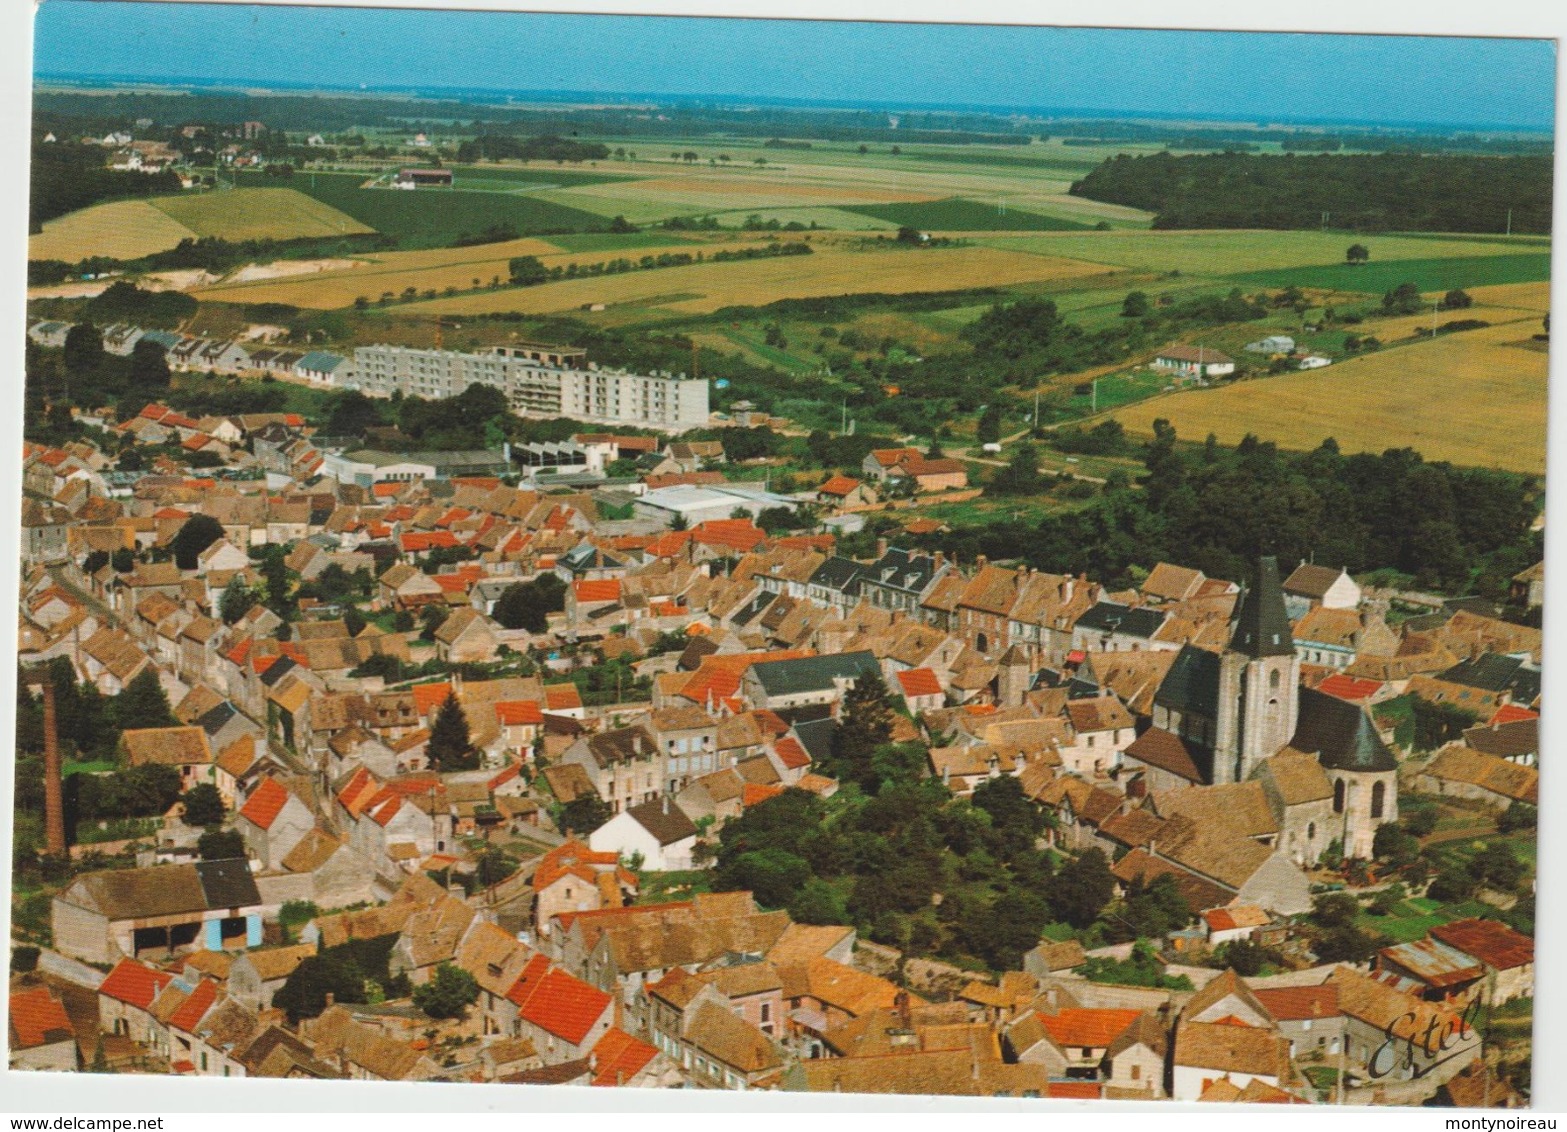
537	381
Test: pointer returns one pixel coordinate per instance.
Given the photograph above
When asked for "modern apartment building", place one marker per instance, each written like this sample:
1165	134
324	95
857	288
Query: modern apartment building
541	381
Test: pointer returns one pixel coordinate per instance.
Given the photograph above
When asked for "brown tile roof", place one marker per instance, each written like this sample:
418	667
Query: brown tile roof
1458	763
1293	1004
1166	751
167	746
1232	1049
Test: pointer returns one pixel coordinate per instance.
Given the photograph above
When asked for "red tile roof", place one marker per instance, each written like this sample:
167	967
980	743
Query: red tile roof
1076	1090
1511	713
620	1057
754	794
1294	1004
37	1019
1087	1029
838	485
605	589
791	753
512	713
562	697
733	534
265	803
428	697
418	540
919	682
557	1003
135	983
1490	941
1352	688
194	1008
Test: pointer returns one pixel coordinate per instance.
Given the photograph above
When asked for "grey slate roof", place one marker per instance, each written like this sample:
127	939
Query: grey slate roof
1262	627
228	883
1192	683
838	573
1108	617
811	673
1340	734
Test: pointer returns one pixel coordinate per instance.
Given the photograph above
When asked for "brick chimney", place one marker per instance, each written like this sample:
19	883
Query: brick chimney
54	800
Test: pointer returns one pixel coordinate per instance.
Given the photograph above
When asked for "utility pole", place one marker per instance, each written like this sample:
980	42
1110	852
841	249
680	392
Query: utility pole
1036	410
1509	222
1093	397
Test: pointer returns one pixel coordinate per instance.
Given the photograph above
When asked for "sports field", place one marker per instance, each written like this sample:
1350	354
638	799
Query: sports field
1476	398
703	288
126	229
257	214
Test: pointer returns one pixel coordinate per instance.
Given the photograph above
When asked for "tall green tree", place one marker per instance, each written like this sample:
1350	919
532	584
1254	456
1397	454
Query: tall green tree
143	703
448	993
451	746
198	532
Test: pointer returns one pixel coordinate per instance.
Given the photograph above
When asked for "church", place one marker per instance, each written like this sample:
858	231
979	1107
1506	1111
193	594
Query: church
1241	716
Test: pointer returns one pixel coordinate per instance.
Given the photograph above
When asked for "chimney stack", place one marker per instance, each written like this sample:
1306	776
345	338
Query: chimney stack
940	558
981	561
881	549
54	800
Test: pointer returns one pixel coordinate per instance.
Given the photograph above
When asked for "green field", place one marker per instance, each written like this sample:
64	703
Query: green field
515	177
415	220
958	215
616	241
1427	274
1414	919
257	214
1232	253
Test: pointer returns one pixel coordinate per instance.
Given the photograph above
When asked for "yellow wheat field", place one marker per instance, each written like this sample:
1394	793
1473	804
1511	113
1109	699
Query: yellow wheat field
703	288
126	229
1476	398
393	272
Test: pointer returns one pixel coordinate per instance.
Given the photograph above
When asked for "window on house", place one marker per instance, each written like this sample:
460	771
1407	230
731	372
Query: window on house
1378	795
1273	677
1338	797
1137	1072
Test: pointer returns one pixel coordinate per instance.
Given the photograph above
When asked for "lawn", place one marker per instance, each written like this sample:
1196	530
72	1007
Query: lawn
510	178
1440	274
655	888
958	215
1476	398
1119	389
257	214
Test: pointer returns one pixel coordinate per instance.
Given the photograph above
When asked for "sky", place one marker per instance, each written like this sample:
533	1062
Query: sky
1312	77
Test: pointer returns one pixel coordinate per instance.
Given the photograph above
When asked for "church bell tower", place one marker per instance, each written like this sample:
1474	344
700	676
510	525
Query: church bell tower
1259	681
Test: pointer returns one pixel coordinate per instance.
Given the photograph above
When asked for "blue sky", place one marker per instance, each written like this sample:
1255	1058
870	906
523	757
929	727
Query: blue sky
1249	76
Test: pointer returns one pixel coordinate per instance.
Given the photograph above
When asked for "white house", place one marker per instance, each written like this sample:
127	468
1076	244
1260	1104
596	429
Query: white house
1194	361
1273	344
658	830
1315	361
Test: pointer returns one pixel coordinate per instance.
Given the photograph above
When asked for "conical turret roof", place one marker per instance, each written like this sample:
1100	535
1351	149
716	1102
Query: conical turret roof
1262	627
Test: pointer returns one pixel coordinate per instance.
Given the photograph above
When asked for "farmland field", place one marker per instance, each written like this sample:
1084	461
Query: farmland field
417	220
126	229
958	215
1441	274
436	269
706	287
1475	398
257	214
1233	253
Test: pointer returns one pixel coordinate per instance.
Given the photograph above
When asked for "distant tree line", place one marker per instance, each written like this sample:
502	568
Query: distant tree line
1376	192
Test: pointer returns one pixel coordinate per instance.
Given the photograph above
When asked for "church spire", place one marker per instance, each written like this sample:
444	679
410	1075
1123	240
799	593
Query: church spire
1262	627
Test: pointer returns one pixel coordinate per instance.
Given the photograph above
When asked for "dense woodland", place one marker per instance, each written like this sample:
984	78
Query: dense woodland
1461	530
67	176
1371	193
